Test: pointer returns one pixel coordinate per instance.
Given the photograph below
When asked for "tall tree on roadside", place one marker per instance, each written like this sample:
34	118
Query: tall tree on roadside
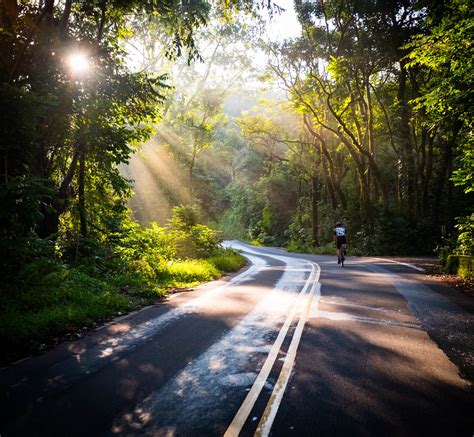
446	100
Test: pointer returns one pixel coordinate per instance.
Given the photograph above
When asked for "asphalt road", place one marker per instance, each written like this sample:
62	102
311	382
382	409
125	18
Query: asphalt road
292	345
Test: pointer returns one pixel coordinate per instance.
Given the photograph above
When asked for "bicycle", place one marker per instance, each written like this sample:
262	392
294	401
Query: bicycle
343	254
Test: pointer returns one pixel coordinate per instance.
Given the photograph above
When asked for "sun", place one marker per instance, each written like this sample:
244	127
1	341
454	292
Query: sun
78	63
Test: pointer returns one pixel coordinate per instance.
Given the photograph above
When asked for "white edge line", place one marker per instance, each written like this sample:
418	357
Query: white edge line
420	269
273	404
242	414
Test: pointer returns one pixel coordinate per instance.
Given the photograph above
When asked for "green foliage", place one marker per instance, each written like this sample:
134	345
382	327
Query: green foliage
183	273
267	219
298	236
244	212
68	253
204	240
50	300
465	239
325	249
444	248
384	238
383	129
91	280
184	217
227	260
462	265
63	300
153	242
447	52
230	226
23	201
376	140
192	239
464	175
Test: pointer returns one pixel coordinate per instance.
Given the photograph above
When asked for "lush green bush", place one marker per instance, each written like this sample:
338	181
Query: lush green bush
22	206
196	242
155	242
91	279
184	272
50	300
227	261
462	265
465	239
460	242
184	217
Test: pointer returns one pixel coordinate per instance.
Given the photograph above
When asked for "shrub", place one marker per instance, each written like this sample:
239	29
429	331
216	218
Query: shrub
187	272
204	240
325	249
465	239
184	217
228	261
60	302
53	295
461	265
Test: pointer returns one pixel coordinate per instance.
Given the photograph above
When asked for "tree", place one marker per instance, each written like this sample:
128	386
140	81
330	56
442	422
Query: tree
446	52
193	115
64	135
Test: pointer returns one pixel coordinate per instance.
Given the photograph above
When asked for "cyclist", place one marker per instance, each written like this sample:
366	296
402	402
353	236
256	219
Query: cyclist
340	238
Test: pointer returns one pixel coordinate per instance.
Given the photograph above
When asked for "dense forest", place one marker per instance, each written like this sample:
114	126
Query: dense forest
126	125
364	117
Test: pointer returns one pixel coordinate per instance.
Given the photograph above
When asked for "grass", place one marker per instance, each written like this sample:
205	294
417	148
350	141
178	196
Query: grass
228	261
52	300
325	249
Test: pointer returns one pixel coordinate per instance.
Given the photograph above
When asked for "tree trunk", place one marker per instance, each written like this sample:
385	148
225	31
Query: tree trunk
329	183
81	193
52	212
427	178
442	178
332	182
407	157
299	210
191	169
64	23
100	31
49	8
314	211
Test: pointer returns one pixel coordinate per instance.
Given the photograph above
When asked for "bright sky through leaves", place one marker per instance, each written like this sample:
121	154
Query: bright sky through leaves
285	25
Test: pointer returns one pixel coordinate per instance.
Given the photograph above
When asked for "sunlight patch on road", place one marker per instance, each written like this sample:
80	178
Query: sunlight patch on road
239	379
227	367
338	316
106	352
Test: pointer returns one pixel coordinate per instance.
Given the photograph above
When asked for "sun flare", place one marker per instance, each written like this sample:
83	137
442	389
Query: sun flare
78	62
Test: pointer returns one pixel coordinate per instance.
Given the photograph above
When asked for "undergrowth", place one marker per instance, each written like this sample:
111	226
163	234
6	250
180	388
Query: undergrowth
56	294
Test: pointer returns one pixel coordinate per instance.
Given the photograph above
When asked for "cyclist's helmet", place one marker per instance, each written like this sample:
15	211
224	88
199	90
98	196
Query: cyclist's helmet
338	224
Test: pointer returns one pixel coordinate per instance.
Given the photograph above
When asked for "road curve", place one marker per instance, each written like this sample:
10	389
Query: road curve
292	345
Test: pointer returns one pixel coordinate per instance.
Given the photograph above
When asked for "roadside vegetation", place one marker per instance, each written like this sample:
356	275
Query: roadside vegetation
62	289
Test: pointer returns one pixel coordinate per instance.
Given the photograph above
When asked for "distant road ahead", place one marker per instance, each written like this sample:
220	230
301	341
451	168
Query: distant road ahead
292	345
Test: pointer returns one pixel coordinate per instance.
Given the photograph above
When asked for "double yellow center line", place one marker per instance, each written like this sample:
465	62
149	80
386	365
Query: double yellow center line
302	306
